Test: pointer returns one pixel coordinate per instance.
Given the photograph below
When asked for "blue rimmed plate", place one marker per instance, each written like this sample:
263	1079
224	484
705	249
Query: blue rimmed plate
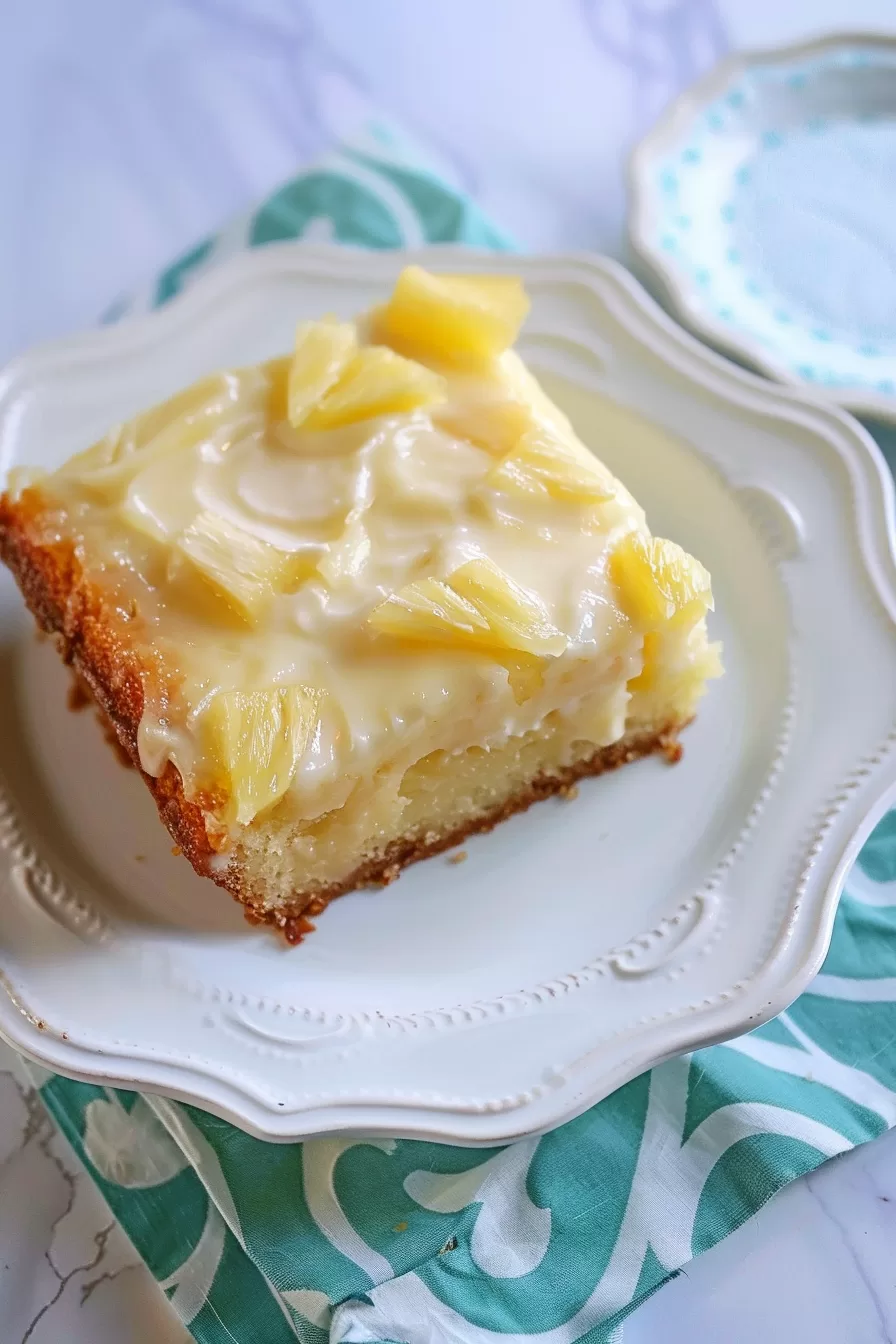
764	202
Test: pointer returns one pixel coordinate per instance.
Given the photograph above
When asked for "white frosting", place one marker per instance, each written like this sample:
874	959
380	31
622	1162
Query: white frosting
375	505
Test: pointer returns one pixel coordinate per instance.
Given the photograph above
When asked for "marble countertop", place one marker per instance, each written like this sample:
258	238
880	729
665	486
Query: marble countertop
130	130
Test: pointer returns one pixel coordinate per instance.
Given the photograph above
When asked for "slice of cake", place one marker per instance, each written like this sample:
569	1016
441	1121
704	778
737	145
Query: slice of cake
350	605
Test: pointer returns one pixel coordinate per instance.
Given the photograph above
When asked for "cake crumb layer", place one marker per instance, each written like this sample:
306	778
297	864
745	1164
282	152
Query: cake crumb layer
296	920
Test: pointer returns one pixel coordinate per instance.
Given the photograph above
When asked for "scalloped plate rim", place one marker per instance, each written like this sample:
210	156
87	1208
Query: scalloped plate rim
678	293
763	998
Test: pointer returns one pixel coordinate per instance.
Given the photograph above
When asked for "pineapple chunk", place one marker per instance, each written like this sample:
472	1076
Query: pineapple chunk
477	606
257	739
429	611
681	679
244	571
322	351
658	582
543	467
376	381
516	619
452	319
496	426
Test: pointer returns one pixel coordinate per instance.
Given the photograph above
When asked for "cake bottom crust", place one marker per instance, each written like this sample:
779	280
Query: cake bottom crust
294	918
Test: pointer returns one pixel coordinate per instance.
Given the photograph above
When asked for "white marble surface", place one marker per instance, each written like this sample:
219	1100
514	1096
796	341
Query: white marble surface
129	130
67	1271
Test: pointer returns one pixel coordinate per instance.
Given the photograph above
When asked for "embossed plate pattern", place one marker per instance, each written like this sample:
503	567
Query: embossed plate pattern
577	945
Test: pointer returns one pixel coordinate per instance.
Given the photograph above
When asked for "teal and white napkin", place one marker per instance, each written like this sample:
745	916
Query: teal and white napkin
553	1239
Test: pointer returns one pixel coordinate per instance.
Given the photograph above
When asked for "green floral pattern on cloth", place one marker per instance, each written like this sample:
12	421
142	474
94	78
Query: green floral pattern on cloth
551	1240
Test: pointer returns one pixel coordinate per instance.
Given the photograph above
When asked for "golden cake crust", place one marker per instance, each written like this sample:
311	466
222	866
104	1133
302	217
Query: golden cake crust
93	637
96	639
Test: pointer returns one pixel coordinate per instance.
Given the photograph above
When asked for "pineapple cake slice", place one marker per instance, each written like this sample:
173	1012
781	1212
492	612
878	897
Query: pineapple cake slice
347	606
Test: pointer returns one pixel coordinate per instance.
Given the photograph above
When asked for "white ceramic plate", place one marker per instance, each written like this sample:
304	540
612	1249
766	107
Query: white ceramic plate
764	204
578	944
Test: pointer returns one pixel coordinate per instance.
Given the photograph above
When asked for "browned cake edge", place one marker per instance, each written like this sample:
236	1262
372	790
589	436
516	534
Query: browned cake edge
95	637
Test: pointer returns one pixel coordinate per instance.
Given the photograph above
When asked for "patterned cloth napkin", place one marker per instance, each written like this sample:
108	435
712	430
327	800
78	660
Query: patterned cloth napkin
554	1239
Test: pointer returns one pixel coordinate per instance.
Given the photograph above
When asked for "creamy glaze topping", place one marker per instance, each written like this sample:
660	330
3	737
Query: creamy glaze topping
342	519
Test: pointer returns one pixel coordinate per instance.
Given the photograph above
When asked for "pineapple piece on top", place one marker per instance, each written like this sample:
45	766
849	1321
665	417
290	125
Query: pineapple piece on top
243	570
452	319
375	382
516	618
497	426
257	740
657	581
477	606
539	465
322	351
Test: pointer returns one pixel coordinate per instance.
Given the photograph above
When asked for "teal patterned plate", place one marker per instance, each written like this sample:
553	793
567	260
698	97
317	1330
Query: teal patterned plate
764	203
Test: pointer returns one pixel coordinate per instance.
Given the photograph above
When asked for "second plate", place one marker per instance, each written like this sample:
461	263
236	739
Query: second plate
764	204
